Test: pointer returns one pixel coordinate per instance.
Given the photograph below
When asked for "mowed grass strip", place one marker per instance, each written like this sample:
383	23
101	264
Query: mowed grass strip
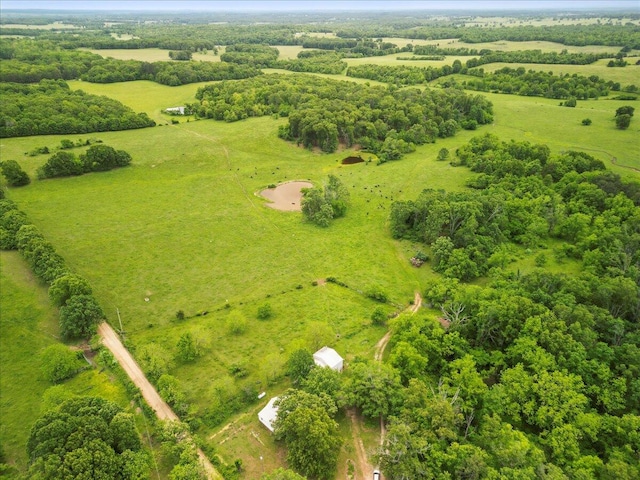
27	325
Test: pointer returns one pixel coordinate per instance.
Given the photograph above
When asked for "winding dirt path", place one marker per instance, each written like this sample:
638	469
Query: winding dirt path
364	468
129	365
364	464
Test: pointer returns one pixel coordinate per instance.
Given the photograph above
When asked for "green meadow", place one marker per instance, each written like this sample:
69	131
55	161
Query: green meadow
506	45
629	75
151	54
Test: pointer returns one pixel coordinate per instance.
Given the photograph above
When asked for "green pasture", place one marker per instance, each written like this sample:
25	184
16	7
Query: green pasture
506	45
49	26
289	52
629	75
402	59
143	95
544	21
28	324
542	120
149	54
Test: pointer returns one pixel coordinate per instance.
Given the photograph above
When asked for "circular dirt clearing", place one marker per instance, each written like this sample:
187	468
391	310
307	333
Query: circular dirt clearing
286	196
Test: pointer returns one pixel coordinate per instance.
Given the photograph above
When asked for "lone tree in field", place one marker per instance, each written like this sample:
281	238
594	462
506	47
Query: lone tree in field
321	205
623	117
13	173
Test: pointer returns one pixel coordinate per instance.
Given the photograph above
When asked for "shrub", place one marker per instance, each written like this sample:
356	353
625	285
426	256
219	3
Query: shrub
377	293
61	164
15	176
586	121
265	311
378	317
59	363
236	323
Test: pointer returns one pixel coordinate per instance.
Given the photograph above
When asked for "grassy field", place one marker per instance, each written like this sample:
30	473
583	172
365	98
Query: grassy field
506	45
545	21
397	59
629	75
29	324
150	54
143	95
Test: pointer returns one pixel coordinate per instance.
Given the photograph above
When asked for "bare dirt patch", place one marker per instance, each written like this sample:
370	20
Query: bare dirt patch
286	196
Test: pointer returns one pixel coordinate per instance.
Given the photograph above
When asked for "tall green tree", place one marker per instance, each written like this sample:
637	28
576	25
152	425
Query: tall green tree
13	173
306	426
80	316
86	437
374	388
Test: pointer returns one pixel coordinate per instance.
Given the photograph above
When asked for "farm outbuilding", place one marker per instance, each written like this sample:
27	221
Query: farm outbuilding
175	110
328	357
268	414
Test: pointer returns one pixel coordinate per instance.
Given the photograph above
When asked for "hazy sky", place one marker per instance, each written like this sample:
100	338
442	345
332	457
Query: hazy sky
314	5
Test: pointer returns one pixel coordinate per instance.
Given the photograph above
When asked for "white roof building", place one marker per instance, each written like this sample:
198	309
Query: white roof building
178	110
268	414
328	357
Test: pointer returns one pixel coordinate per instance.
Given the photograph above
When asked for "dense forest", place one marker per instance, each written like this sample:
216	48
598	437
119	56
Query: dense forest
535	372
50	107
532	83
324	113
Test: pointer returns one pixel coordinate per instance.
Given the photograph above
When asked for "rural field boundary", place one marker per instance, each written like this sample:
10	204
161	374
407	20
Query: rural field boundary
111	341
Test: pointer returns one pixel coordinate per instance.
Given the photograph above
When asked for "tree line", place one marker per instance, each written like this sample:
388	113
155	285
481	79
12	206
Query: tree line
484	56
324	113
50	107
579	35
402	75
110	70
542	84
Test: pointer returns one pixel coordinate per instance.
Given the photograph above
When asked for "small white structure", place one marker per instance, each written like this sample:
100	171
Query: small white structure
268	414
175	110
328	357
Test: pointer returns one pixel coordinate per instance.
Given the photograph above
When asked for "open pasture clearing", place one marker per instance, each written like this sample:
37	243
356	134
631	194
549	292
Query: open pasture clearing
629	75
398	59
289	52
506	45
542	120
545	21
150	54
143	96
49	26
28	324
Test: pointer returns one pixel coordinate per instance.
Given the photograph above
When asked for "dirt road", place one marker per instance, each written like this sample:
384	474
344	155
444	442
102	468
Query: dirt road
163	411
